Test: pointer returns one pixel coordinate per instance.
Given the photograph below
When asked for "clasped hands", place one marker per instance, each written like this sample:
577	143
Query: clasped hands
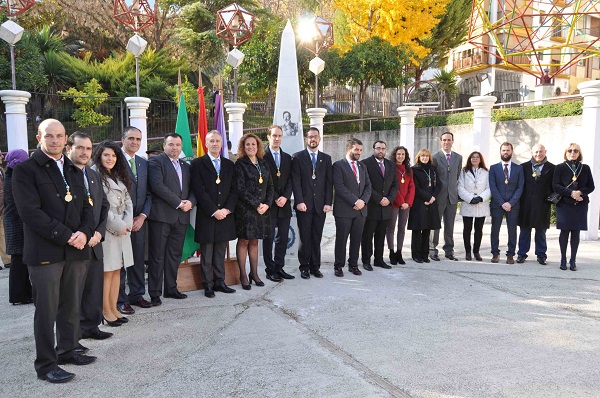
476	199
430	201
577	196
185	206
78	240
262	208
359	204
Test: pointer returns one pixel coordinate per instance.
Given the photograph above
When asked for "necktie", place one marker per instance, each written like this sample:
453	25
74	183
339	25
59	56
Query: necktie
85	180
277	162
355	171
314	159
217	166
381	168
448	158
133	167
506	171
178	170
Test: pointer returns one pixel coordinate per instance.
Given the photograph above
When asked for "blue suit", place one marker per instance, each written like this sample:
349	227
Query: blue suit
505	191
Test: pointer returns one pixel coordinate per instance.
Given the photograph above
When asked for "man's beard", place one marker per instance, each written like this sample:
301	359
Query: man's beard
506	158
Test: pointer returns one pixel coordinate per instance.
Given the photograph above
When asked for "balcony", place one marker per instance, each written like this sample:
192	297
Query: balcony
469	61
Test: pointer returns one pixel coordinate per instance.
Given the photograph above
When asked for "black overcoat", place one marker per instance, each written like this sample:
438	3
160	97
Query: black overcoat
535	210
13	226
381	186
423	216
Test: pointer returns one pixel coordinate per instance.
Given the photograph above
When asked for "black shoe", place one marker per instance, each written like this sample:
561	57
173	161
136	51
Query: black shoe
399	258
355	271
81	349
126	309
426	260
477	257
468	257
246	287
57	375
572	266
177	295
367	267
338	272
316	273
123	319
155	301
223	288
434	257
304	275
563	265
96	335
77	359
285	275
451	257
274	277
393	258
521	259
382	265
209	292
418	260
142	303
113	324
542	260
256	280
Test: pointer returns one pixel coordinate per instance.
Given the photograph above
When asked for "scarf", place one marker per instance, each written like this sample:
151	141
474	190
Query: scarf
536	167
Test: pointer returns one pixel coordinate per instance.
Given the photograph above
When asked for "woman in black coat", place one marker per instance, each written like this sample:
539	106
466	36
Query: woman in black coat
254	185
424	215
19	287
573	180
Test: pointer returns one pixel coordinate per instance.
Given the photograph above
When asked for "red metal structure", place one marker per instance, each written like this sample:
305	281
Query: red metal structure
11	8
137	15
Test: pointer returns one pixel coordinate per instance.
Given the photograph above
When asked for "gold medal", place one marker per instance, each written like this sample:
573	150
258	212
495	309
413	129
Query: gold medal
91	201
278	173
533	175
314	176
218	180
429	183
260	180
402	180
574	178
68	197
506	181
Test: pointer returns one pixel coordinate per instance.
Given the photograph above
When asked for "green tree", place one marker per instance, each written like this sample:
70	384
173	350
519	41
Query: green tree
87	101
447	87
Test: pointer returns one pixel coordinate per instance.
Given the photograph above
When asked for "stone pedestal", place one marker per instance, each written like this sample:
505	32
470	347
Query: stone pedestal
589	140
543	91
235	110
16	118
407	128
138	107
316	116
482	124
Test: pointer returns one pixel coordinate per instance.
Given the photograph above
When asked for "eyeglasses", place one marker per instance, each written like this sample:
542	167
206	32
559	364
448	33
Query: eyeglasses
573	150
312	137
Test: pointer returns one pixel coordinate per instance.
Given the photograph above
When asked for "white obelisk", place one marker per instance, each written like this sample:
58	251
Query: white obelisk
288	112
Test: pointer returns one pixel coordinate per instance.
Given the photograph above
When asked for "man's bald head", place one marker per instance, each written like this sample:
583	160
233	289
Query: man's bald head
538	152
52	137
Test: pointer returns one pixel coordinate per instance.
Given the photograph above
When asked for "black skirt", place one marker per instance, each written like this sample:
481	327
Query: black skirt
571	216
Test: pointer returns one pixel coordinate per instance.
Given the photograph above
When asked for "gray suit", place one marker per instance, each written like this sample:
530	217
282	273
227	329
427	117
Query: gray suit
447	199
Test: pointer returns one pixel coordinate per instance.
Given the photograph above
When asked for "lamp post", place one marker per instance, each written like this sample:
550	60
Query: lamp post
235	25
10	31
316	35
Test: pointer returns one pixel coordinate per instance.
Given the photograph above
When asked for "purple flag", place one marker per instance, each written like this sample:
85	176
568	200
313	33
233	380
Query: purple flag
220	124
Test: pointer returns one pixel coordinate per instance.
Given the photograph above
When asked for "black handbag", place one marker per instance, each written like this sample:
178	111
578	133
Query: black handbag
554	198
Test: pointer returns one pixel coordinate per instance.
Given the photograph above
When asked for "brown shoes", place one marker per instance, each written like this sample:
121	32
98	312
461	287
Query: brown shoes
510	259
355	271
496	258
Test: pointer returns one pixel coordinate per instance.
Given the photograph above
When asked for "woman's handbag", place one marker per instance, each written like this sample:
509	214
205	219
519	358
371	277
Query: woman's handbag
554	198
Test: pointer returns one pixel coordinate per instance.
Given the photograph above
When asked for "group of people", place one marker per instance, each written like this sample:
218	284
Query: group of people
88	217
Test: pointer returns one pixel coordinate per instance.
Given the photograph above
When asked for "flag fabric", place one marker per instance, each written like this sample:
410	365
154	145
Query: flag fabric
220	124
182	127
202	125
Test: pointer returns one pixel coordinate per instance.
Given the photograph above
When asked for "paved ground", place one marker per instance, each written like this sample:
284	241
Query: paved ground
447	329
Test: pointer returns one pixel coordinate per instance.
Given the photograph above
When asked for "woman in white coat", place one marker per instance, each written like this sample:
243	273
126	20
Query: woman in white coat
110	163
474	190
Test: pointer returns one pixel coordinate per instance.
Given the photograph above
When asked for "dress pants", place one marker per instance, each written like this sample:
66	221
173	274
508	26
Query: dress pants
274	263
91	301
310	227
166	245
213	263
525	241
419	244
57	297
512	217
19	286
448	216
136	274
344	227
467	227
400	215
373	230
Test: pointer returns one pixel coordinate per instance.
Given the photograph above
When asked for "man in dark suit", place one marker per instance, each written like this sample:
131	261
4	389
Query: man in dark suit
352	192
79	150
58	221
384	188
213	185
169	179
142	201
312	184
535	209
280	164
447	166
506	184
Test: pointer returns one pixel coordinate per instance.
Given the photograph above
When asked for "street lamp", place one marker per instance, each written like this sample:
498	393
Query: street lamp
235	25
136	15
316	35
10	31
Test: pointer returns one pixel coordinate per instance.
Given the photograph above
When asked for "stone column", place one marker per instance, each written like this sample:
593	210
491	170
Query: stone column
407	128
482	124
138	107
589	139
235	110
16	118
316	116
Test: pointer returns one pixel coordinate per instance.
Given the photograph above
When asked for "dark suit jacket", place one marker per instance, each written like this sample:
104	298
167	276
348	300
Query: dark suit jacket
314	193
348	191
167	195
535	209
510	192
48	220
381	186
141	197
100	208
212	197
282	184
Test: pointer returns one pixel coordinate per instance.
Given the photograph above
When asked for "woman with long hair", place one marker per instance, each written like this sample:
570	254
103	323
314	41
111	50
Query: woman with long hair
402	203
424	215
254	185
474	190
573	180
110	163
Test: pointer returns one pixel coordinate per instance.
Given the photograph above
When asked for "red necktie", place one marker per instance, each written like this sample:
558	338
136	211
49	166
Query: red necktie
381	168
355	171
